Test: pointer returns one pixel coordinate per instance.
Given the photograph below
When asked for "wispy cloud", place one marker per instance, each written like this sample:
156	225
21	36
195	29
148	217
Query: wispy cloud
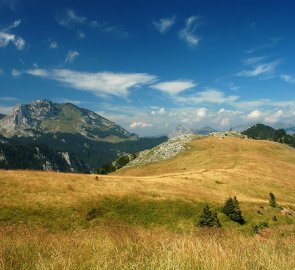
232	86
208	96
288	78
100	83
80	34
72	56
15	73
12	4
174	87
187	34
9	99
70	18
253	60
272	42
107	27
5	109
257	68
164	24
6	37
66	100
52	44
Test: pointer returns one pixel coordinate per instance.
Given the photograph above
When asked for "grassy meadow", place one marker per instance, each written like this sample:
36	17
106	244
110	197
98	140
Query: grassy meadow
145	218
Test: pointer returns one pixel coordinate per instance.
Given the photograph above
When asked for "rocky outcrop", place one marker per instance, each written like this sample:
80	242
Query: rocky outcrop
224	134
163	151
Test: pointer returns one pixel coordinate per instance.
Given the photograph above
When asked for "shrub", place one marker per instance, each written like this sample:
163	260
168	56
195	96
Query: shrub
232	209
208	218
272	200
258	227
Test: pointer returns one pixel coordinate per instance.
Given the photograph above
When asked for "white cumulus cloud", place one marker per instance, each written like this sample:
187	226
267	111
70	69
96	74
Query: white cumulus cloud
139	125
200	114
159	111
275	117
254	115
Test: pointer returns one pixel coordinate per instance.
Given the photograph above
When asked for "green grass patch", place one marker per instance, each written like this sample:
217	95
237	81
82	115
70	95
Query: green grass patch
175	215
146	213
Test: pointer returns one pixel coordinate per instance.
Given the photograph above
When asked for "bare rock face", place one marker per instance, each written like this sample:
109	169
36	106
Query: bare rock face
44	116
22	118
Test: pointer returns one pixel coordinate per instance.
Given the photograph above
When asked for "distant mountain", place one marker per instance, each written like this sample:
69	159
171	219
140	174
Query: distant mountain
242	128
2	115
44	116
180	130
68	128
290	130
37	157
205	130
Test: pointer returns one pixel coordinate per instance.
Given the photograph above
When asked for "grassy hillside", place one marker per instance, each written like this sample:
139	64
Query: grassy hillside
145	218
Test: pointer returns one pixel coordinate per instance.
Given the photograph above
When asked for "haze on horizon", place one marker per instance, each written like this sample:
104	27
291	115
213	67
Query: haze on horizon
151	65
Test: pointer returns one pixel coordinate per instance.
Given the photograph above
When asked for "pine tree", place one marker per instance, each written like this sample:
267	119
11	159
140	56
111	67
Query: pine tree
232	209
272	200
208	218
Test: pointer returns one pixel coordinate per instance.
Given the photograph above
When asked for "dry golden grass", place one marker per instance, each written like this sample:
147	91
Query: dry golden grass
125	247
44	225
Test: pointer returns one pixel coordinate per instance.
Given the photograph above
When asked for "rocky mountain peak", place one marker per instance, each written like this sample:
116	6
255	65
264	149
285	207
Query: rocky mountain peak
44	116
28	116
180	130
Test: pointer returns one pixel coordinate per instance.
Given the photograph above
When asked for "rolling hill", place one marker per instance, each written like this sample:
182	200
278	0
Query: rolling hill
146	216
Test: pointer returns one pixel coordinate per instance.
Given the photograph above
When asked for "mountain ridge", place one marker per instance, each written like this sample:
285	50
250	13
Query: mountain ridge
48	117
66	128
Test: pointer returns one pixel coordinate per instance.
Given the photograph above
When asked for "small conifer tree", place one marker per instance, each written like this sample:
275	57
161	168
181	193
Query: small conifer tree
232	209
272	200
208	218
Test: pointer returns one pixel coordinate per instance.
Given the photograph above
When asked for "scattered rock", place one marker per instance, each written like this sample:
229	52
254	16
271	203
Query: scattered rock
163	151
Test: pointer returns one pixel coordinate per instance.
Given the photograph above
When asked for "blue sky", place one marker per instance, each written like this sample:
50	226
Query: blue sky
151	65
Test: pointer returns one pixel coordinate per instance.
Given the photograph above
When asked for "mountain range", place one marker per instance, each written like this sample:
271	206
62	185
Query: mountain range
69	132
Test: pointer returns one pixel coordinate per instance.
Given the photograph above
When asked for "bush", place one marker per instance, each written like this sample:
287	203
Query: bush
258	227
232	209
208	218
272	200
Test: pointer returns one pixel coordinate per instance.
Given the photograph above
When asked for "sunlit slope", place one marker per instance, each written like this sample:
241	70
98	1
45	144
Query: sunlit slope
228	166
210	171
213	153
